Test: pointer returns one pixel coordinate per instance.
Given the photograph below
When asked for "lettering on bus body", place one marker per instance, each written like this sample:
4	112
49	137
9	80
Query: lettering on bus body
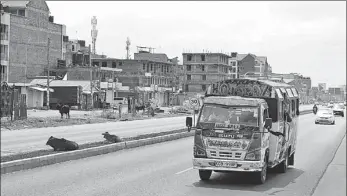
244	88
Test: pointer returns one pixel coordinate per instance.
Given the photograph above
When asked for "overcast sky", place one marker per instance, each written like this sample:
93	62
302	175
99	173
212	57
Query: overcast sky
301	37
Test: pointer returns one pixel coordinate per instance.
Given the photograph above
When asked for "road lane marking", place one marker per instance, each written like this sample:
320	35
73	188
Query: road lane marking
184	171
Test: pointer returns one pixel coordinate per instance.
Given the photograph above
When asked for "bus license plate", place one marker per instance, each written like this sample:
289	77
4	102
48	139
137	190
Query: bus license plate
225	164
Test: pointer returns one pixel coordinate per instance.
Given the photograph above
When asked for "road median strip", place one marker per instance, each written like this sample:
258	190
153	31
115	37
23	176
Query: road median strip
38	161
35	159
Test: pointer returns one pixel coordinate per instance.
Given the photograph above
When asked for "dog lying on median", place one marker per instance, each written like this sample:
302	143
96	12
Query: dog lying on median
61	144
111	138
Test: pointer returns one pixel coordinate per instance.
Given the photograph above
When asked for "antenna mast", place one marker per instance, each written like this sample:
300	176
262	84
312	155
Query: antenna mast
94	33
128	47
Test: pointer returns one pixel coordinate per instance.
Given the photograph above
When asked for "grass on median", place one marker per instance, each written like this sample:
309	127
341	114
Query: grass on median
38	153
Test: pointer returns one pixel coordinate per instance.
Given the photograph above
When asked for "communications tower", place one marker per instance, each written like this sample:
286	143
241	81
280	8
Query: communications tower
94	33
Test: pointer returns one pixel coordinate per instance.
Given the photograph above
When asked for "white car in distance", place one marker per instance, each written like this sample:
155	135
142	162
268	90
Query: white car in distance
325	116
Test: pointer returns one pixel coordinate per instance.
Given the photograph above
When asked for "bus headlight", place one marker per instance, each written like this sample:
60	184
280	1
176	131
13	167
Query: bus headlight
253	156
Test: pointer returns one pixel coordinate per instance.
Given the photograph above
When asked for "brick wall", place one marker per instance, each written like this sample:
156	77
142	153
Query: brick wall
248	64
28	42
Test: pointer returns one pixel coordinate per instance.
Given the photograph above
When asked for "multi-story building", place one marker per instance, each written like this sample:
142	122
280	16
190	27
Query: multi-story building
25	32
233	66
250	64
202	69
76	53
146	78
5	53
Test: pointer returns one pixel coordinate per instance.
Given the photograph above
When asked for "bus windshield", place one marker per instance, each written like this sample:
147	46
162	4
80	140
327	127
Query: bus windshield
229	115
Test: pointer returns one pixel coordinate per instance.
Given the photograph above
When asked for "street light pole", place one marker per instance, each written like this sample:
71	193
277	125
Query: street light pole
48	70
91	78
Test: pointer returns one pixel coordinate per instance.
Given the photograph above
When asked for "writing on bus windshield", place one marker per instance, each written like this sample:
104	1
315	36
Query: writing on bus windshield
230	115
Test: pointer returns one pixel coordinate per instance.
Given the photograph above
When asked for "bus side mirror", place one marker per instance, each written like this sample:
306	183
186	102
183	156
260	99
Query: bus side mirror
268	123
189	121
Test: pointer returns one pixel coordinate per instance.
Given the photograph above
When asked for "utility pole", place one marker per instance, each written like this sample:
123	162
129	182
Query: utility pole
48	70
91	78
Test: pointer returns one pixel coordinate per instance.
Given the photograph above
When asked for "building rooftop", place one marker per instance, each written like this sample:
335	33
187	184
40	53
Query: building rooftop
14	3
206	53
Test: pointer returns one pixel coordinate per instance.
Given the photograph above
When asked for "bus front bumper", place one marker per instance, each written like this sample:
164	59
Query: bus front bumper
227	165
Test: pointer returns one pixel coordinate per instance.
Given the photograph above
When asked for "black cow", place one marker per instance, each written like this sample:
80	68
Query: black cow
140	107
64	109
61	144
111	138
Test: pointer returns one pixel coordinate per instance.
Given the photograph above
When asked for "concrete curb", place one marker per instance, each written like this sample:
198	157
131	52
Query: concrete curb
30	163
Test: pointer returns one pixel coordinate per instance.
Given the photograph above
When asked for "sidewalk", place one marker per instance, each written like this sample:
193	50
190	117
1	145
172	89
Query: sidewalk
334	180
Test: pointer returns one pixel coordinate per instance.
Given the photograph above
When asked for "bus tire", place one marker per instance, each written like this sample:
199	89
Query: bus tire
205	174
260	177
291	160
283	166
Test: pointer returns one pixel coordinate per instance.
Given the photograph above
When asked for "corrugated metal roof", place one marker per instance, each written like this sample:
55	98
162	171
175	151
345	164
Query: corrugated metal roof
14	3
64	83
234	101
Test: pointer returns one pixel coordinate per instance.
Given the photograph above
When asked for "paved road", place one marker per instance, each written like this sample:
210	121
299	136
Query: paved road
13	142
334	179
165	170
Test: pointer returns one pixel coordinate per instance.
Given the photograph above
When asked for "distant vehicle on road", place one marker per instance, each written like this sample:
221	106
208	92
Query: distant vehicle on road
339	110
325	116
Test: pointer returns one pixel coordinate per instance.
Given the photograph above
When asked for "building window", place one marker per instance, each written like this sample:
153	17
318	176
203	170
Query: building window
203	87
147	67
151	67
203	67
21	12
4	32
203	77
96	64
114	64
167	69
203	57
189	77
189	68
144	67
186	88
120	63
162	68
4	52
189	57
104	64
73	48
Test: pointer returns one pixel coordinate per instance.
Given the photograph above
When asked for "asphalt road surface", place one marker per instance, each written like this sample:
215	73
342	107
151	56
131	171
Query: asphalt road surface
165	169
13	142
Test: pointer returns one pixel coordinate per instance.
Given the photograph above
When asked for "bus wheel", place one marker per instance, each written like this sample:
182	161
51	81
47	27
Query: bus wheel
291	160
205	174
260	177
282	168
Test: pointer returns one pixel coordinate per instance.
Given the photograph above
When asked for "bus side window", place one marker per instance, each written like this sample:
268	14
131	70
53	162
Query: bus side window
266	115
297	107
293	108
280	110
